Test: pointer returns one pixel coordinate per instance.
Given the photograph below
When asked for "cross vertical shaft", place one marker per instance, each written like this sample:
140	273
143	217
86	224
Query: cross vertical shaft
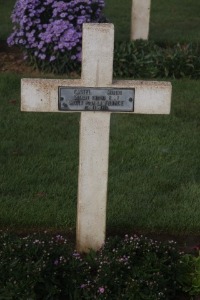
97	69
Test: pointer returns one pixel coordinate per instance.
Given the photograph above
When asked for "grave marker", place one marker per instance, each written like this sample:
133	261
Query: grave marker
140	18
96	96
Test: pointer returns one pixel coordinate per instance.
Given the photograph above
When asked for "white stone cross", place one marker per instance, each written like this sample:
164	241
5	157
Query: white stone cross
41	95
140	18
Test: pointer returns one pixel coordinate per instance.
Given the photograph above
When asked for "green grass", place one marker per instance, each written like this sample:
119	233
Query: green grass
119	14
172	20
155	184
175	20
154	164
34	172
6	8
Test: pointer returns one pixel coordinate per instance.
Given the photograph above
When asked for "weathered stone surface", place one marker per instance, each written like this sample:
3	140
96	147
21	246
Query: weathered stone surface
140	18
93	178
151	97
97	55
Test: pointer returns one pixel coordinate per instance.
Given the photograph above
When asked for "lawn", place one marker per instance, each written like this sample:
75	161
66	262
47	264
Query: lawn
173	20
154	164
154	169
5	23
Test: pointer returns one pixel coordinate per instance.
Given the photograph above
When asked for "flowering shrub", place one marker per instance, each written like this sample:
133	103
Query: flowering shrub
46	267
50	31
136	268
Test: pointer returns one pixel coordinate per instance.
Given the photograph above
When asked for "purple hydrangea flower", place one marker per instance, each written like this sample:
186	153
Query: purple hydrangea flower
52	29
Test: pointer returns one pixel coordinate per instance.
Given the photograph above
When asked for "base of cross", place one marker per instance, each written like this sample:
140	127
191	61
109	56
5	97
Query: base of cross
96	96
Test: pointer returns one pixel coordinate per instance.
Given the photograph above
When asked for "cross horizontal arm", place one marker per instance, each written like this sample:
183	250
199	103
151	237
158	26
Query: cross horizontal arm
41	95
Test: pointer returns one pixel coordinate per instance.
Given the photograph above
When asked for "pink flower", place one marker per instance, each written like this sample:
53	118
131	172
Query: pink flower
101	290
56	262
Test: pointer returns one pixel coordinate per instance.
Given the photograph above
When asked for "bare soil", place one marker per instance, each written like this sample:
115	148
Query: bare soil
12	61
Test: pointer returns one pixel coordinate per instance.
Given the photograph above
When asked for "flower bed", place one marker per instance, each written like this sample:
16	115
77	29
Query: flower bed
50	31
133	267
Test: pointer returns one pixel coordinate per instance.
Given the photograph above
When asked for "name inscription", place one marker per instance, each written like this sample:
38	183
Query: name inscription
96	99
